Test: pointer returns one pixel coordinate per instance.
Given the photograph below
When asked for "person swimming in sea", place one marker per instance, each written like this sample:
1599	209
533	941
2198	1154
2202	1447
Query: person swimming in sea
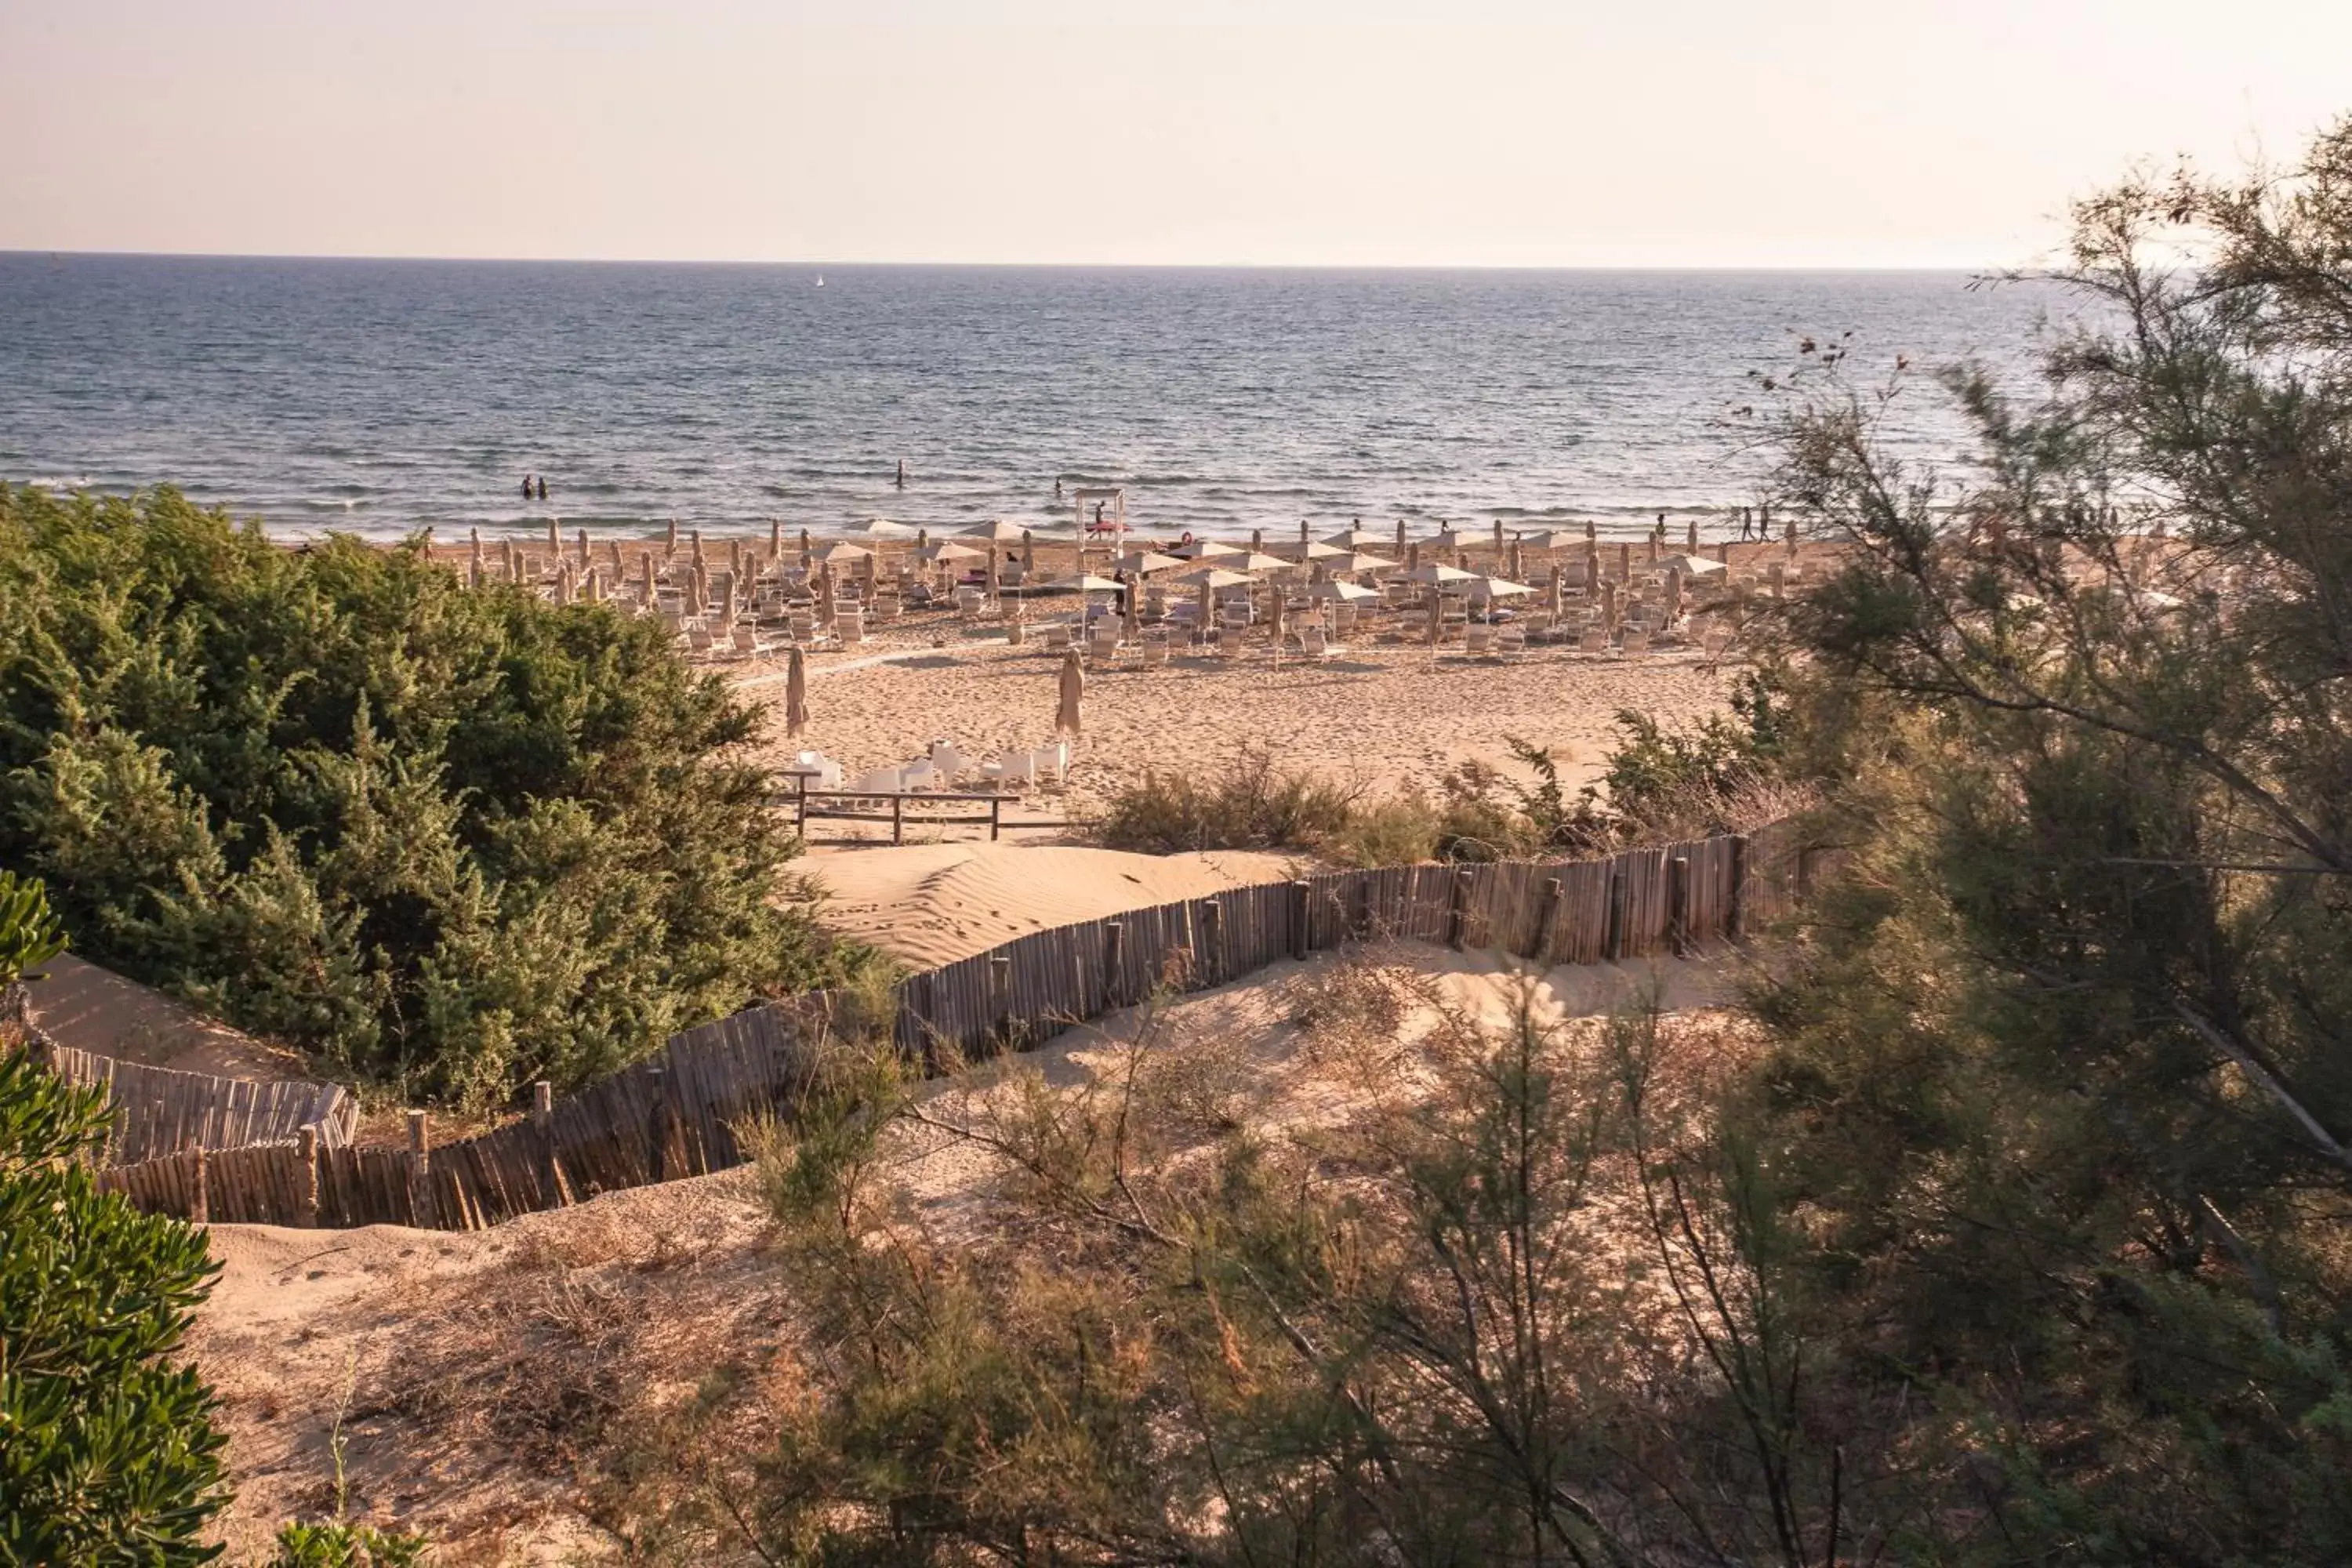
542	487
526	487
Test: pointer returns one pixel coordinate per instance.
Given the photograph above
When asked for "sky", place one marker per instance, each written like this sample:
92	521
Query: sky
1277	132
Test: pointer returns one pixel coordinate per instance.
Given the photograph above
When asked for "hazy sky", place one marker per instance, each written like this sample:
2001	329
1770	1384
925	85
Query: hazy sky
1633	132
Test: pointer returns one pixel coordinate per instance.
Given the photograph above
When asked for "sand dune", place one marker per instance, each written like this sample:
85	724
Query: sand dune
934	903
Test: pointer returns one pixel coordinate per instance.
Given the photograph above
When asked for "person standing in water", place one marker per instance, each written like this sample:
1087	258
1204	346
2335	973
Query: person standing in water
902	473
526	487
542	487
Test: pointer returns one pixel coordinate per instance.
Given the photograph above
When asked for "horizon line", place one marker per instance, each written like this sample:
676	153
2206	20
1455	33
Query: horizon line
62	253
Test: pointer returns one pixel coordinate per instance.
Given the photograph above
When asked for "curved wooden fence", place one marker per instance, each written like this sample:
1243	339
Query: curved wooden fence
675	1114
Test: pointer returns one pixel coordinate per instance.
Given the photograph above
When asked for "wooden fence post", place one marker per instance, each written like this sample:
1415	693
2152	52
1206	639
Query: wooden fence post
1614	948
1212	956
1735	911
1457	910
1547	910
657	1125
1302	920
542	1117
420	1171
1000	996
995	817
199	1208
898	819
1678	905
306	1195
1804	872
1114	951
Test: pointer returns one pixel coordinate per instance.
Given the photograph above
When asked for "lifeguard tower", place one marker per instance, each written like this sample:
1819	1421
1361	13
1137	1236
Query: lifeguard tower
1101	515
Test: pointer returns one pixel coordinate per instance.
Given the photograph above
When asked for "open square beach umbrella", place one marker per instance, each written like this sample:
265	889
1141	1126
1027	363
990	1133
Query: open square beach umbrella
1356	563
1356	538
1214	577
1437	572
880	527
945	551
998	531
1203	549
1345	593
1143	563
1690	566
1552	538
1305	549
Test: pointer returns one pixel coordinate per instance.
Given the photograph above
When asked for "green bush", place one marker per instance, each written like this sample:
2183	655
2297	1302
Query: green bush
108	1453
1252	804
447	840
346	1546
29	933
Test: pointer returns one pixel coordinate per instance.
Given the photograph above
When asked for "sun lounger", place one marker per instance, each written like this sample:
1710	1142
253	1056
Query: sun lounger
918	775
1316	643
1595	640
879	781
1635	642
947	761
849	627
1477	639
1510	642
1155	651
750	644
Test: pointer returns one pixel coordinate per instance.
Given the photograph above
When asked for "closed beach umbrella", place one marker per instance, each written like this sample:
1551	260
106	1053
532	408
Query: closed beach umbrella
999	531
1436	615
776	537
735	556
1591	565
477	550
1723	552
1358	538
1356	563
1400	543
1344	593
554	538
1792	539
1624	562
1518	559
1498	536
992	572
1693	541
1275	597
1203	549
1653	546
1437	572
1412	556
1673	596
1133	608
697	537
583	548
824	594
1592	532
1073	690
1208	601
795	694
1258	540
1143	563
1554	600
514	573
1028	553
673	533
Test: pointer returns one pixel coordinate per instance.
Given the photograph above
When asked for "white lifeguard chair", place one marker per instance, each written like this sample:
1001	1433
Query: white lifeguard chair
1107	503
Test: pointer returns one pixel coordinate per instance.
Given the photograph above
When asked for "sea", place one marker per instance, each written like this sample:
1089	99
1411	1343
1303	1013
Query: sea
380	397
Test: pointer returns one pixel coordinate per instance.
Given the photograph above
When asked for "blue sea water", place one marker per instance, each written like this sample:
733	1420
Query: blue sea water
376	396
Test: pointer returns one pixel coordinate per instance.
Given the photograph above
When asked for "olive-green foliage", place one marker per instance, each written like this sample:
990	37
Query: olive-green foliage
2060	1068
346	1546
29	933
449	840
107	1454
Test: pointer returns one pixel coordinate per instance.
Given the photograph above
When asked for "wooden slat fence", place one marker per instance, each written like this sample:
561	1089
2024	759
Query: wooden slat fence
159	1111
678	1113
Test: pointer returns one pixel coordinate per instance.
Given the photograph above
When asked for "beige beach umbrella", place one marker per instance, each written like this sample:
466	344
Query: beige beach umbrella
1028	553
824	594
1550	540
1553	599
1497	588
840	551
1518	559
1358	538
1343	593
1591	566
1400	537
807	548
1205	549
1356	563
735	556
947	551
1214	577
1258	540
695	537
1608	604
996	530
673	533
1691	565
474	572
1296	550
645	574
1274	613
1131	612
1411	555
881	527
1791	537
1072	691
478	552
514	569
1723	552
1652	544
1498	536
1691	541
1250	561
1436	603
1624	562
582	544
1674	595
795	694
992	572
1447	539
1208	603
1304	537
1143	563
1438	573
1592	532
554	537
922	540
776	538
